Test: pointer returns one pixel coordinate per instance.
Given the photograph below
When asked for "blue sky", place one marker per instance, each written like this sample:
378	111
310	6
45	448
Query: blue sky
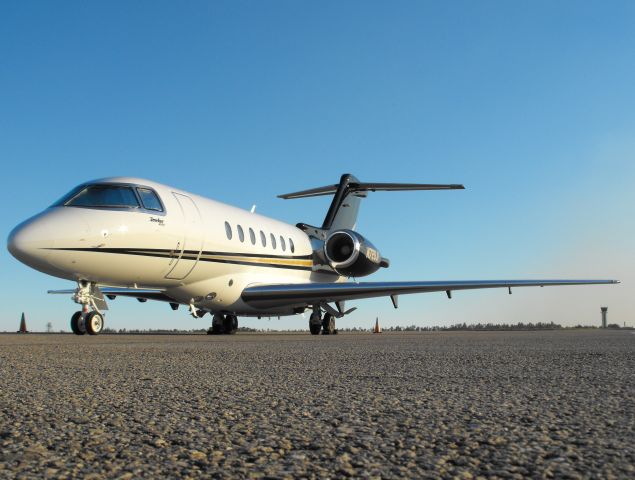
529	104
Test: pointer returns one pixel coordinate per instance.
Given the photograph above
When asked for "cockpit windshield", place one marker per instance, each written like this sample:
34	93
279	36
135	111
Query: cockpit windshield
108	196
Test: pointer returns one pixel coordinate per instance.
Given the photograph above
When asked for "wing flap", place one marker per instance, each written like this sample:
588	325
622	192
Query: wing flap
304	294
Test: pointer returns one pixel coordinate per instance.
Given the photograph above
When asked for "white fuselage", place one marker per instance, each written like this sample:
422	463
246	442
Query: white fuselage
185	250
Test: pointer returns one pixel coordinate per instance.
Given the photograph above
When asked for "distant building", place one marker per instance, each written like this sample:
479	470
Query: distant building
604	310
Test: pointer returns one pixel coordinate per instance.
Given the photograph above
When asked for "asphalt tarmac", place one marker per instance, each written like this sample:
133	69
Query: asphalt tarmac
412	405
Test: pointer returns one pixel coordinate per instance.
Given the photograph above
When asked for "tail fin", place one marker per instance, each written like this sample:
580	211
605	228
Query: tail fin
348	194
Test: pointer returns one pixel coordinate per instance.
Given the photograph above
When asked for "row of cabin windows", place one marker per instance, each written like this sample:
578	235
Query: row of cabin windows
263	238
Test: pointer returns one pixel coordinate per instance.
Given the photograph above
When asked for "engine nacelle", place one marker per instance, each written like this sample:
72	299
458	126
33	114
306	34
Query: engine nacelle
350	254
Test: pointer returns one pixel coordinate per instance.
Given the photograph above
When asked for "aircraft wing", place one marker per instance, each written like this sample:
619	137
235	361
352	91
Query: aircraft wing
304	294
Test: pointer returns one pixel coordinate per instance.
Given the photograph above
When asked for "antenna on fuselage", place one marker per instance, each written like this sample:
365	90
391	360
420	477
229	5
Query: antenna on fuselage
253	208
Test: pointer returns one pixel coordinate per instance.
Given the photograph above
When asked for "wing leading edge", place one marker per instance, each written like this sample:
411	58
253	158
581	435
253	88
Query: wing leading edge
305	294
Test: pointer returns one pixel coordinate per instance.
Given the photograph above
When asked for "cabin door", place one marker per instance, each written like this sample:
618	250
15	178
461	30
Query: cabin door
188	249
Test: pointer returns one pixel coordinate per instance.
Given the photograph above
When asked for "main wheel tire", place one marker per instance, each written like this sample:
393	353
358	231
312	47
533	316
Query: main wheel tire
315	324
228	325
218	321
94	322
76	320
328	324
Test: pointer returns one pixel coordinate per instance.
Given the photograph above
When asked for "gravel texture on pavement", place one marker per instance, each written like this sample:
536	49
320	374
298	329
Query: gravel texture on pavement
419	405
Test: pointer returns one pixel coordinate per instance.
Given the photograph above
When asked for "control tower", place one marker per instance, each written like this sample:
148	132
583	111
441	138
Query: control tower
604	310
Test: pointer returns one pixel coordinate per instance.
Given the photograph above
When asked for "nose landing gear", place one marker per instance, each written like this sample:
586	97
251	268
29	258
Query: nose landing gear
83	322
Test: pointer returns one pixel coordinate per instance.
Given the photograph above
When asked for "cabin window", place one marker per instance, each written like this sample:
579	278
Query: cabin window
252	236
228	230
263	238
283	245
150	199
105	196
292	246
241	234
273	241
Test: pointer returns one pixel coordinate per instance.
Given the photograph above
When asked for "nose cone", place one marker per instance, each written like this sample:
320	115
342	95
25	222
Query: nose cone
28	243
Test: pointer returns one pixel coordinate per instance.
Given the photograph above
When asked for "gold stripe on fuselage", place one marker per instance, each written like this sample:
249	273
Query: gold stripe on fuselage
264	260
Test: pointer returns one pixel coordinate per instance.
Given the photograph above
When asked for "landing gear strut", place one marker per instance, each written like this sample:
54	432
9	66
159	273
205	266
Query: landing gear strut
223	324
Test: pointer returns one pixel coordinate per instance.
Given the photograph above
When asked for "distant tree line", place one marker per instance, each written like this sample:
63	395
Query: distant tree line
167	331
411	328
479	326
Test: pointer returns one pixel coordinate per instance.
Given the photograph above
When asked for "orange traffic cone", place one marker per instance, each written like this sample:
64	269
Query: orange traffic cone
377	328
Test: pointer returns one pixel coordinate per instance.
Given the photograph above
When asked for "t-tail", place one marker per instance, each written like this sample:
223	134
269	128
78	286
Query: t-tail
345	250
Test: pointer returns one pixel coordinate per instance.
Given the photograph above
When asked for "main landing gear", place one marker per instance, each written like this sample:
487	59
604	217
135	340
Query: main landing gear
324	324
223	324
85	321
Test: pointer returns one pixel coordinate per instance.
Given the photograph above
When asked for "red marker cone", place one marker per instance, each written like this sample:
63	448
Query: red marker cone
23	325
377	328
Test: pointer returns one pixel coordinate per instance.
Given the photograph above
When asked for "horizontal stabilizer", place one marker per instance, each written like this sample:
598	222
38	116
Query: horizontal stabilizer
370	187
347	195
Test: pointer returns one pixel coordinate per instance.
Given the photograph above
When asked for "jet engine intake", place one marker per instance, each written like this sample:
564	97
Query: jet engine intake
350	254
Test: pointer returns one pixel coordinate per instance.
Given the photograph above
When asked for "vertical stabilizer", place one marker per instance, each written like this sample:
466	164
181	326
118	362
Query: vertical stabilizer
345	205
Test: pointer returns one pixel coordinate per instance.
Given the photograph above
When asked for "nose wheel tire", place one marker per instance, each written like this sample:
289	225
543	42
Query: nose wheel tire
77	324
94	322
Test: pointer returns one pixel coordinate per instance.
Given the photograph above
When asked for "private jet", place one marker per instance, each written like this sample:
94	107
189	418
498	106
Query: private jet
130	237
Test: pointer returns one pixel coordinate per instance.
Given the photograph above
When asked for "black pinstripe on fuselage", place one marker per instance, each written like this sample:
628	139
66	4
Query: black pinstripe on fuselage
292	262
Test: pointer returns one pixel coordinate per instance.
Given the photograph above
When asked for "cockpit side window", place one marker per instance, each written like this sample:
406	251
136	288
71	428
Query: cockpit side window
104	196
150	199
